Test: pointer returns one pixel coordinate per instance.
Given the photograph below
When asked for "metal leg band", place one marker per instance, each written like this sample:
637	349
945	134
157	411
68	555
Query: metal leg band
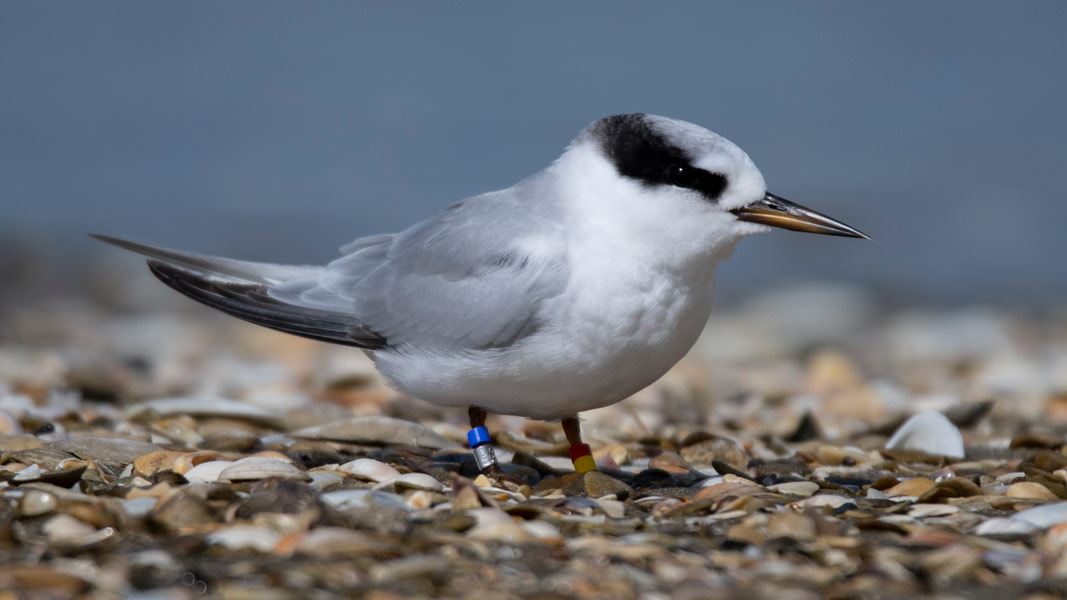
484	456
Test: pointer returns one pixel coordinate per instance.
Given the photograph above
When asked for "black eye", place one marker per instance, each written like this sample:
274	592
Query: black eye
683	176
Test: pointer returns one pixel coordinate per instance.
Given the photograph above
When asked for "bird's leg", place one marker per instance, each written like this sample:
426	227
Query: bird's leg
478	440
581	454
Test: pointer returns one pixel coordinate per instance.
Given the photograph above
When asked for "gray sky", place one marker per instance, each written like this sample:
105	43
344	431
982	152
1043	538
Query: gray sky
282	130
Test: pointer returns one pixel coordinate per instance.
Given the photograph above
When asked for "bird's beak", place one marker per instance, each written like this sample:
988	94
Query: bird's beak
778	212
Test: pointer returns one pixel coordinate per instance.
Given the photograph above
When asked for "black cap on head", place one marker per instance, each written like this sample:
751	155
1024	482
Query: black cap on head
640	151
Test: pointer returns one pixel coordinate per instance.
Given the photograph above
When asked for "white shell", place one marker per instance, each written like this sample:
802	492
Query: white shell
930	432
370	470
260	539
257	467
415	481
207	472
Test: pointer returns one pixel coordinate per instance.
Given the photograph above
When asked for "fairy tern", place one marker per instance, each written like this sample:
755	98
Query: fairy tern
568	291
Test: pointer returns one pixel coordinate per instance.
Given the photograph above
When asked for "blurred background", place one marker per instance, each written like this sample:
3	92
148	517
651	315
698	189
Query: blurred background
272	131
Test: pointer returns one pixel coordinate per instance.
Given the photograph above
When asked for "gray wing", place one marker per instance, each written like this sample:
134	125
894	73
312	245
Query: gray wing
473	277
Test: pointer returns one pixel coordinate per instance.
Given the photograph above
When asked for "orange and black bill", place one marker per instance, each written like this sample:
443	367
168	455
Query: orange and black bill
778	212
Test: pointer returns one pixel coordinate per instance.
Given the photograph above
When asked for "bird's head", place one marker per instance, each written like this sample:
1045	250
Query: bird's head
702	173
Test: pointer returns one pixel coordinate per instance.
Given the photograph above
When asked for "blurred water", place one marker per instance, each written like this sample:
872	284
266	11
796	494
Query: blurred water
280	131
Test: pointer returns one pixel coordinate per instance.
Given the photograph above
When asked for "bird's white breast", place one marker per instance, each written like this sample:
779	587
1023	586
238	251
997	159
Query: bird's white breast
638	295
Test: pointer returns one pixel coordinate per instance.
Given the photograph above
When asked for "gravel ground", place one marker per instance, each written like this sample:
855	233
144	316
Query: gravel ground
815	444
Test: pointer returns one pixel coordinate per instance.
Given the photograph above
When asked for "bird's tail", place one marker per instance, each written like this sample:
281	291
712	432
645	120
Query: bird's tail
240	288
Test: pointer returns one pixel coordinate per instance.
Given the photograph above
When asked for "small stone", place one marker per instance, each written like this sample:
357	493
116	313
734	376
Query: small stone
702	449
928	432
612	508
36	502
916	486
598	484
1029	490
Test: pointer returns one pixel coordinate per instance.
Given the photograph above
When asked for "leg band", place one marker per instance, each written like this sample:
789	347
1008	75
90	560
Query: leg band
477	436
584	464
484	456
582	457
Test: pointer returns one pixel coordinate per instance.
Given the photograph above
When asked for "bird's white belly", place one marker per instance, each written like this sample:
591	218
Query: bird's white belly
605	343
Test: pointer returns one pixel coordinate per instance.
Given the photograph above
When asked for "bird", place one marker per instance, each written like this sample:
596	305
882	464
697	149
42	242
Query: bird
568	291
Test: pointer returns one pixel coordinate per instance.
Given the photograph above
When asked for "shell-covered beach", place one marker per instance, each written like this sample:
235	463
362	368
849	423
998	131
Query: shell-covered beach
816	443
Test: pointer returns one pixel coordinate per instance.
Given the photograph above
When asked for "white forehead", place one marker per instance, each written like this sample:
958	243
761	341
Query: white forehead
712	152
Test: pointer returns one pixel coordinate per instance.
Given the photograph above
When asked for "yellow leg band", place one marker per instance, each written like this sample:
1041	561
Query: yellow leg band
584	464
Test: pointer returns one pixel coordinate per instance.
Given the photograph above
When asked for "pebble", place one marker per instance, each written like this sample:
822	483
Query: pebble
35	502
702	449
1029	490
598	485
